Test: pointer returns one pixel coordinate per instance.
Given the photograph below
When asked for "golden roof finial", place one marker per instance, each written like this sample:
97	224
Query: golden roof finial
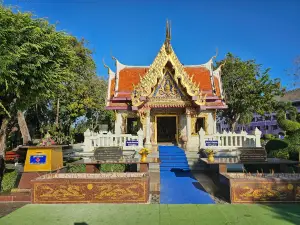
168	31
168	37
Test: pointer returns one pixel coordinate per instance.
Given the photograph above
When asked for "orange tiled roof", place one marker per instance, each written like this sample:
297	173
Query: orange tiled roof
131	75
112	87
217	85
201	75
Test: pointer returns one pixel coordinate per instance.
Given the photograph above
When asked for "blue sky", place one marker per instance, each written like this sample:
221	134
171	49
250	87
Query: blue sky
265	30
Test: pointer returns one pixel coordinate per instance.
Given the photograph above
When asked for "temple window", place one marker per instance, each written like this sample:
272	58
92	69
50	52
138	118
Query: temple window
132	125
200	123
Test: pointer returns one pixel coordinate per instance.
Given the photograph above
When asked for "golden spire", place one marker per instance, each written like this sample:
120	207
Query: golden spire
168	31
168	37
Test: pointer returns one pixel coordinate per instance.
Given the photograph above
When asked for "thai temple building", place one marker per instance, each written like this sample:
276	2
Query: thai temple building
169	101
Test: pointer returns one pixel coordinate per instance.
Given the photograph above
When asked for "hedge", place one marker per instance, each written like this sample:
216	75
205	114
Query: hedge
76	168
269	137
80	168
288	125
276	144
113	168
281	154
9	180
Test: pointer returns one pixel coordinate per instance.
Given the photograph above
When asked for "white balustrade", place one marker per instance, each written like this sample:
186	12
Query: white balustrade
230	140
100	139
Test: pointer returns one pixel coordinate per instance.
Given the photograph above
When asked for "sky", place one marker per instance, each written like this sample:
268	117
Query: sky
133	31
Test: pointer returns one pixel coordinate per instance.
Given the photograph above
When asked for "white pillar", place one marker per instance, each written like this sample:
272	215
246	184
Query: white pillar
87	144
188	130
215	122
257	134
201	138
118	123
140	134
148	130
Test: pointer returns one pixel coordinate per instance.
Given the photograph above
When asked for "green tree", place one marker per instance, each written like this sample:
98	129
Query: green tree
248	90
290	146
36	63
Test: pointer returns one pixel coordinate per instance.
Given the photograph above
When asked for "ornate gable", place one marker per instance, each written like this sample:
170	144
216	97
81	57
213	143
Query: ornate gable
156	72
168	93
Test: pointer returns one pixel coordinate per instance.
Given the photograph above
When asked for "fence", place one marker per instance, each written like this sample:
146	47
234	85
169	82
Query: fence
229	140
99	139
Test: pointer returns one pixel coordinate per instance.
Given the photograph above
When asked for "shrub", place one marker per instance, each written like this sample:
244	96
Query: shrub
9	180
281	154
275	144
113	168
288	125
76	168
293	138
269	137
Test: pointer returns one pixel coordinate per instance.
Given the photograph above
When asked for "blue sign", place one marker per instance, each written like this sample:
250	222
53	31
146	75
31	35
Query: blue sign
211	143
38	159
132	143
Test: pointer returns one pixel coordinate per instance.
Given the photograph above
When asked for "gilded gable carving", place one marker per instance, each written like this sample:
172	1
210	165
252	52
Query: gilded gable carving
155	73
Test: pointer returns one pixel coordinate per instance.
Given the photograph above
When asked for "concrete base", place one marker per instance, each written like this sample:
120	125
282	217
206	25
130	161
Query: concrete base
148	145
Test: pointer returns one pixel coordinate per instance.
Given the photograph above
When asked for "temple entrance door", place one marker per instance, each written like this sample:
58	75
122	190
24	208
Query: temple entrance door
166	129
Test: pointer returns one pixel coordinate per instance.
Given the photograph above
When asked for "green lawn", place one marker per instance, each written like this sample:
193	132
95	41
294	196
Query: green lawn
90	214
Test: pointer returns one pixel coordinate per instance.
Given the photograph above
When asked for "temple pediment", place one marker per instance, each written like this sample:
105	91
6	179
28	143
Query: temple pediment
168	93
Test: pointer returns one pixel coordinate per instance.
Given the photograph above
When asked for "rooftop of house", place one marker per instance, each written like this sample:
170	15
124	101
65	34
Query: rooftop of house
292	95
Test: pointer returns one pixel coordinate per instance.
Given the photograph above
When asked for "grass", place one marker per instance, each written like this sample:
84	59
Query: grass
135	214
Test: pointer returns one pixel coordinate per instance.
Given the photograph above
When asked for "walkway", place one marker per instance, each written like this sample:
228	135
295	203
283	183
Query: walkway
177	184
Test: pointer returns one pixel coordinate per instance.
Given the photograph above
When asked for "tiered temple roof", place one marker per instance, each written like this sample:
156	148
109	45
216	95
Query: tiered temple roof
127	80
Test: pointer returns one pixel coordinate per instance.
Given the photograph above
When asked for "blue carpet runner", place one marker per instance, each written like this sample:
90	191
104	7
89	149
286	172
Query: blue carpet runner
177	184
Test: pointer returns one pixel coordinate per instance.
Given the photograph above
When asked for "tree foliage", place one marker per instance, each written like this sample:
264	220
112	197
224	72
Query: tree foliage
41	67
295	73
248	90
290	146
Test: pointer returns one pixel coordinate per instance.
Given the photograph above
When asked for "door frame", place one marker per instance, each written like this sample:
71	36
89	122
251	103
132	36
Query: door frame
166	115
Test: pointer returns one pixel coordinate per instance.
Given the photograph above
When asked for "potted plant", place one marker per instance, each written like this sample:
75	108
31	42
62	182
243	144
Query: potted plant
144	152
210	155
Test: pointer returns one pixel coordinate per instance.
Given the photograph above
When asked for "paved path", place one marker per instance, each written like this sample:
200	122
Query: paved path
177	184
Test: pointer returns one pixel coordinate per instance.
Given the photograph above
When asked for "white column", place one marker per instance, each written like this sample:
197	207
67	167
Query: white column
118	123
87	144
257	134
188	130
215	121
148	130
201	138
140	134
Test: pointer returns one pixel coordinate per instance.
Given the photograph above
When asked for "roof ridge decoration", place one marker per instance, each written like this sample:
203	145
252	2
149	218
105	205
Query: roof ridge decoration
217	73
111	75
155	72
119	67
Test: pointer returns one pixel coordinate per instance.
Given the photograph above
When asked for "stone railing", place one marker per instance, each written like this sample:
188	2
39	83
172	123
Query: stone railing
93	140
229	140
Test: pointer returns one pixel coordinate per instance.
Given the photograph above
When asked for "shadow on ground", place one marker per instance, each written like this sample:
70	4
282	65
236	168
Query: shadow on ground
286	213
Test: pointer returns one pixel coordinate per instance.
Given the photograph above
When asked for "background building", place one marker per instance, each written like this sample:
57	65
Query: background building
266	123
